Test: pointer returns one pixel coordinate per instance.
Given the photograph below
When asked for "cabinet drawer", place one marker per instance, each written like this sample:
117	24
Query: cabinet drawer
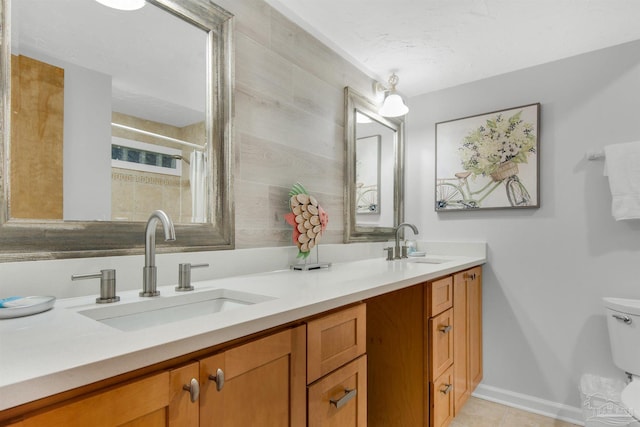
441	343
340	398
334	340
442	399
439	296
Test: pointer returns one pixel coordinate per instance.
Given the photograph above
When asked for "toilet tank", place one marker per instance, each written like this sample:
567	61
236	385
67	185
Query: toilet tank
623	323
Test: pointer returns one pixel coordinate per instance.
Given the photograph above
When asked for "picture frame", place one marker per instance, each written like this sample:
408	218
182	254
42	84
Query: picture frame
489	161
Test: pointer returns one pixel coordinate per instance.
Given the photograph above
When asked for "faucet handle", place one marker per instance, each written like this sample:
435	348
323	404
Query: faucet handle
389	253
107	284
184	276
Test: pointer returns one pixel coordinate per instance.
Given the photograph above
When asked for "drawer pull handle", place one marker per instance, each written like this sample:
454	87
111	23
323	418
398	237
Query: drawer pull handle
445	329
348	395
193	388
446	389
625	319
471	276
218	378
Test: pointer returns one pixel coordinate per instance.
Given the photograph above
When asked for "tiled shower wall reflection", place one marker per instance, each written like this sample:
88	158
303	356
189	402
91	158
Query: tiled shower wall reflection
135	194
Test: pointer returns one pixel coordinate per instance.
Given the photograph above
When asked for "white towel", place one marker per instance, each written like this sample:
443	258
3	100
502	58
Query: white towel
622	166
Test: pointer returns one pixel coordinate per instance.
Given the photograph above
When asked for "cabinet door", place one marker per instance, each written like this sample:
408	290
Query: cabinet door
474	312
264	383
441	343
461	383
184	408
442	399
340	398
143	402
396	376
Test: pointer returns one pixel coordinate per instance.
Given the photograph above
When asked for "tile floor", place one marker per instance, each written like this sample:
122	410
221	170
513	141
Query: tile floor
482	413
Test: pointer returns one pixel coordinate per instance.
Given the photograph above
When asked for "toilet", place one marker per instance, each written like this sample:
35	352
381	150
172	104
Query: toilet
623	322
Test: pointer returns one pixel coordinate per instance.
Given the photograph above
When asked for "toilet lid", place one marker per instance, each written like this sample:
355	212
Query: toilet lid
630	398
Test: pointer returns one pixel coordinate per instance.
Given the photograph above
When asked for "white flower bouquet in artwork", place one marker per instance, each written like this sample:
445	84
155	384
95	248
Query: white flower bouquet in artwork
495	148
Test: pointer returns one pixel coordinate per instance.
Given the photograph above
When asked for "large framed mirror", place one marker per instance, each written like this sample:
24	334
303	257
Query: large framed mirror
108	115
374	190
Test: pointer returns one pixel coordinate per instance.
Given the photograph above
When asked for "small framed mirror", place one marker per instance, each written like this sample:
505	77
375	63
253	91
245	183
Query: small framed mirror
374	190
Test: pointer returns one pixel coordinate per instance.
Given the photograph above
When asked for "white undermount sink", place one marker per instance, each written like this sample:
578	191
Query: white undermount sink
160	310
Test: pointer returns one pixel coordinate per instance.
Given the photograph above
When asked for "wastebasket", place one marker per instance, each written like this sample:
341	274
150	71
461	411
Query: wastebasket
601	404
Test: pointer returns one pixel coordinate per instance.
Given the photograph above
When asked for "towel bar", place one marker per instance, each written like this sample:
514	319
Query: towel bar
595	155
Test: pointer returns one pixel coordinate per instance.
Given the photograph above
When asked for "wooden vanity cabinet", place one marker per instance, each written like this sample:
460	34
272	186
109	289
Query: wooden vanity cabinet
408	358
424	349
337	369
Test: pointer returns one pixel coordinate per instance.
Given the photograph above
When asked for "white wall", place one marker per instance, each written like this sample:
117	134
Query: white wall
549	267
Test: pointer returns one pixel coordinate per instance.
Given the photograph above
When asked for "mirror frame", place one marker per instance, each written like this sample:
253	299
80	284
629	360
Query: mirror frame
352	231
24	240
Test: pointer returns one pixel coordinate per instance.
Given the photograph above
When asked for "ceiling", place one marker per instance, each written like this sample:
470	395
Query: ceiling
435	44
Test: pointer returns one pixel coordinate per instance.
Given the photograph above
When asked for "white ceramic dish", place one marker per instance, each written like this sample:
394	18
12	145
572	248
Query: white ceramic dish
417	254
27	306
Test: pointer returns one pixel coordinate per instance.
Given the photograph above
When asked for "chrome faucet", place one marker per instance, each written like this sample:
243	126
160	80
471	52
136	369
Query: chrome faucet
397	248
149	273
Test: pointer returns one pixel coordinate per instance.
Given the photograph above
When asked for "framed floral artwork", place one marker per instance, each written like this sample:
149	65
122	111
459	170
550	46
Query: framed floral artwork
489	161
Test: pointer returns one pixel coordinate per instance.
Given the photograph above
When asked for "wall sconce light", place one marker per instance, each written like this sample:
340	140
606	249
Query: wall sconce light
393	105
123	4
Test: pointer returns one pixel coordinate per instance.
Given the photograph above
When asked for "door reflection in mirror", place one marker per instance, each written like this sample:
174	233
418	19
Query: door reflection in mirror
367	174
375	166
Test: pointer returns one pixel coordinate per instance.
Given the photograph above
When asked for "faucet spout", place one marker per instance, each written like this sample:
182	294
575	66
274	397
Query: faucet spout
149	273
397	247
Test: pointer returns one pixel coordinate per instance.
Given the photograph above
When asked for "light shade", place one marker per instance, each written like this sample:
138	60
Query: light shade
123	4
393	106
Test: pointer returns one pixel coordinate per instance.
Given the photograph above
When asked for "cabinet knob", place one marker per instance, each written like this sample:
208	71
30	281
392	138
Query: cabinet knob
447	388
193	388
348	395
218	378
471	276
445	329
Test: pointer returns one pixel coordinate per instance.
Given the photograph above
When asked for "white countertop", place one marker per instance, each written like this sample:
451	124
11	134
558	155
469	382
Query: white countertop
60	349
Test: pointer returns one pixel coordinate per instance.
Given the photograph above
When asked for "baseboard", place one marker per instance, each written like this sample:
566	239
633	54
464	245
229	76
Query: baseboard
530	404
